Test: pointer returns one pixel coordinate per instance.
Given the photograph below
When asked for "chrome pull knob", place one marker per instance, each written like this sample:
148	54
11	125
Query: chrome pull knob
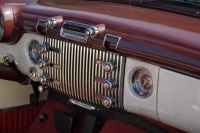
109	66
44	79
109	84
43	48
92	31
33	72
44	63
108	102
42	88
50	23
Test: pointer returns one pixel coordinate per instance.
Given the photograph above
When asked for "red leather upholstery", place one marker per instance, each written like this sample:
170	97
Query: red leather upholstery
19	119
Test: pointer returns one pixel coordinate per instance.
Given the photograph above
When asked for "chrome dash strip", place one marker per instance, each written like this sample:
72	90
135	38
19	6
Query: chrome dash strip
77	69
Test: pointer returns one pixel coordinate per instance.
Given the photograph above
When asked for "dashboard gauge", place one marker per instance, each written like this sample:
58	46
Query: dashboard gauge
34	51
1	26
142	82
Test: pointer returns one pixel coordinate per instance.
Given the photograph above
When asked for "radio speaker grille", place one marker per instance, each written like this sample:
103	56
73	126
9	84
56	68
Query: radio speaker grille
75	71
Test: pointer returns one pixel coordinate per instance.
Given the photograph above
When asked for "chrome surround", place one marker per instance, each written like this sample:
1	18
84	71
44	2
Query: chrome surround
117	44
86	106
78	62
74	34
38	24
139	90
33	52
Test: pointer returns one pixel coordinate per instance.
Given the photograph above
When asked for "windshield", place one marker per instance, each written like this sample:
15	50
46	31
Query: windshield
187	7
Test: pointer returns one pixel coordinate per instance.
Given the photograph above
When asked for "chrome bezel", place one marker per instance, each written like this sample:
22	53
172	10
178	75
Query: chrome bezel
34	53
72	34
135	87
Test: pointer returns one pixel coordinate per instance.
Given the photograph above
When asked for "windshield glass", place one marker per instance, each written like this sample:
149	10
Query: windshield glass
186	7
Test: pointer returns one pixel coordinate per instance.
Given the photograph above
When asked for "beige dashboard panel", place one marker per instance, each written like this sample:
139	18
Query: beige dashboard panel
132	102
13	94
179	101
21	53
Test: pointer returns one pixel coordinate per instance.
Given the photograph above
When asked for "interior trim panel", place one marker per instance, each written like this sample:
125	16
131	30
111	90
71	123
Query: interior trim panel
134	103
20	53
179	100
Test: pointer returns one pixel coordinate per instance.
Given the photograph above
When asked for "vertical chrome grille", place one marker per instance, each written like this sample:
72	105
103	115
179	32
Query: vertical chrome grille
76	71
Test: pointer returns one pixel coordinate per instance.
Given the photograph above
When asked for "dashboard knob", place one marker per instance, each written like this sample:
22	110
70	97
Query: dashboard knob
107	102
33	72
109	84
44	79
44	63
92	31
43	48
50	23
109	67
42	88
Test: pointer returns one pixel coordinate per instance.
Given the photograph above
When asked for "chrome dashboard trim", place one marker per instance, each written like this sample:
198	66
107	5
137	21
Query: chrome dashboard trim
117	44
78	70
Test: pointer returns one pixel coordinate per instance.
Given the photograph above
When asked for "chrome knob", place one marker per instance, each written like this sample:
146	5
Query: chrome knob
107	102
50	23
109	67
44	79
44	63
89	32
43	48
33	72
92	31
109	84
42	88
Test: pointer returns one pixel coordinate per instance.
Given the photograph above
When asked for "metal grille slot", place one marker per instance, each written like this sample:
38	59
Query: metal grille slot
76	71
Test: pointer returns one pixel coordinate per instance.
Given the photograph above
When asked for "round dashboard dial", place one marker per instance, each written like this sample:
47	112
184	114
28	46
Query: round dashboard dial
34	51
142	82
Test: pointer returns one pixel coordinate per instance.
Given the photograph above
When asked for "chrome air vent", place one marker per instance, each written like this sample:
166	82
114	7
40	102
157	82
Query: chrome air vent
76	71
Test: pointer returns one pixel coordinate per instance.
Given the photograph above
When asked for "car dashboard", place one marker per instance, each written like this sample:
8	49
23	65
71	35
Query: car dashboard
113	57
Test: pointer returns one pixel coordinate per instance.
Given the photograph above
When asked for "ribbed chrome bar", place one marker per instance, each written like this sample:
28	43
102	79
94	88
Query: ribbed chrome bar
76	71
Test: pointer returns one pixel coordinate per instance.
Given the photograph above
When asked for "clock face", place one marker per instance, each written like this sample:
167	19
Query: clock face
142	82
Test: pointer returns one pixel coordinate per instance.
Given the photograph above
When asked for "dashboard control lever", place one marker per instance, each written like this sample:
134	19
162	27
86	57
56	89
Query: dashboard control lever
43	48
